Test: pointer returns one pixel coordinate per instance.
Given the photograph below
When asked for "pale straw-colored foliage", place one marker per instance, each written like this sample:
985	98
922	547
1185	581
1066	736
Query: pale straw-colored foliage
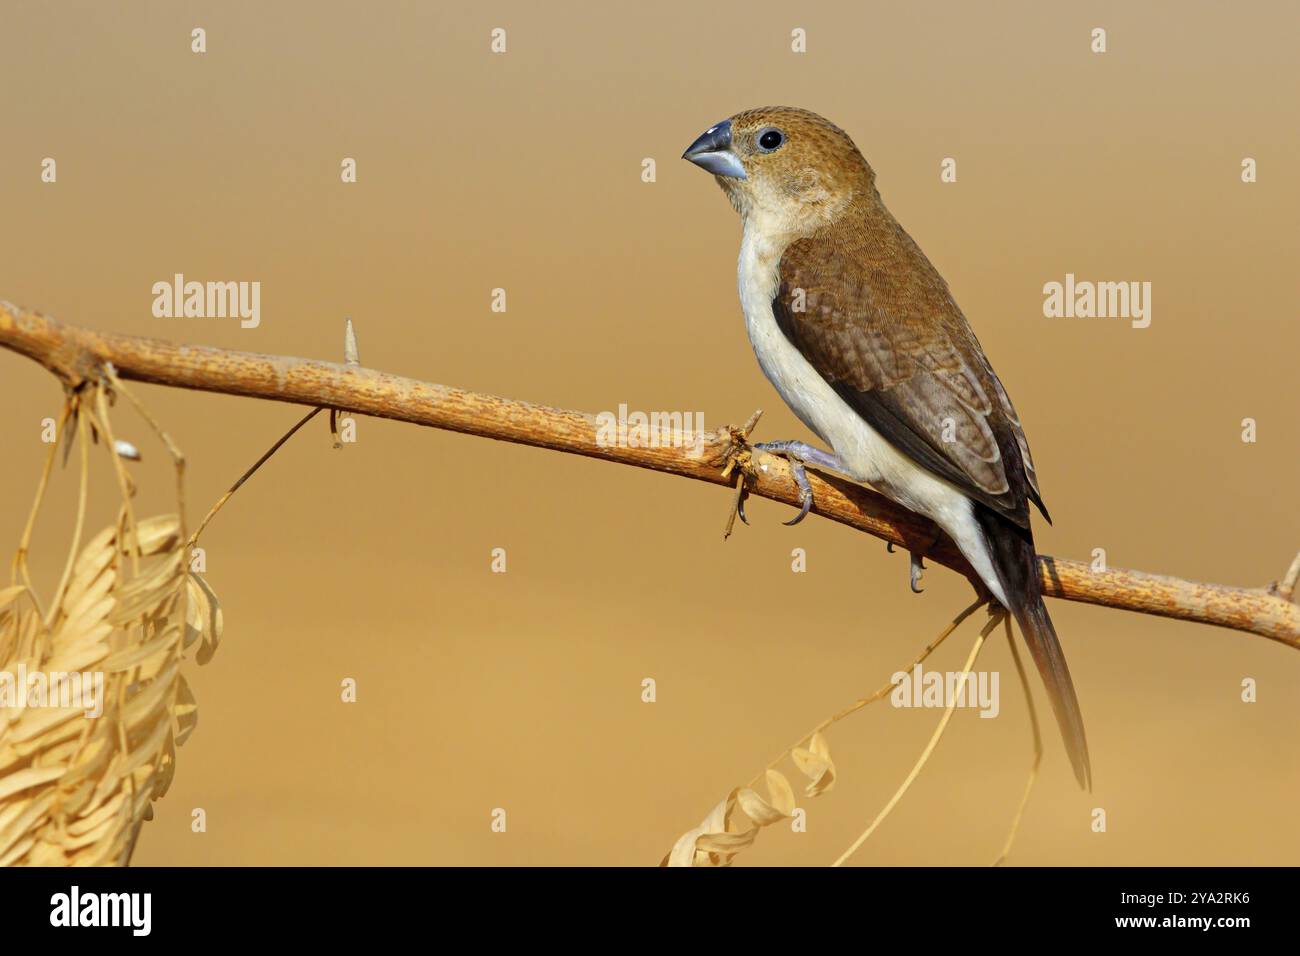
733	825
76	789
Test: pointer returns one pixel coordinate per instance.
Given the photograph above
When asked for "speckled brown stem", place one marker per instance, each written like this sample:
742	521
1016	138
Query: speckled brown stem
73	355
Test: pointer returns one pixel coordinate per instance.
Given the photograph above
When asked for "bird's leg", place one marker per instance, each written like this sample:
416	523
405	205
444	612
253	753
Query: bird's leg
808	454
798	454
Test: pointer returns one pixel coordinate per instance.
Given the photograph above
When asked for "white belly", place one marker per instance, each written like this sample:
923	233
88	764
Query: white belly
867	457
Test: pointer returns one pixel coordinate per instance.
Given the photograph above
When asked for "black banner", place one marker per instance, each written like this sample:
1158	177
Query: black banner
928	905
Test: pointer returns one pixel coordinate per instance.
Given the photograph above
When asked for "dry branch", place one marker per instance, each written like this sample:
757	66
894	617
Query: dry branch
74	355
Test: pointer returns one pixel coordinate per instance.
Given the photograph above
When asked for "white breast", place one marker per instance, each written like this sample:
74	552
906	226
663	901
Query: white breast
867	457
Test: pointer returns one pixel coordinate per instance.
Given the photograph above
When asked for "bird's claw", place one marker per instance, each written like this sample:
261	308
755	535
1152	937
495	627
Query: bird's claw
788	451
805	491
916	560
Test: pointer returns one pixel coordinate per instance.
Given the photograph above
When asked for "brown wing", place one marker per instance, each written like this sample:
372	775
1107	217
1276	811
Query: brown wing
865	307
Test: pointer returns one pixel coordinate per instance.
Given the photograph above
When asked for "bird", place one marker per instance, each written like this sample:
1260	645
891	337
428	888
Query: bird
860	335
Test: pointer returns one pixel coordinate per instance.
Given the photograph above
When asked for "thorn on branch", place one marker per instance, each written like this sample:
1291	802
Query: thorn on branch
350	354
1286	588
352	359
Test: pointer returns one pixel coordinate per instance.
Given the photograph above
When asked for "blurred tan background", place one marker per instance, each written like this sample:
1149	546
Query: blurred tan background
522	691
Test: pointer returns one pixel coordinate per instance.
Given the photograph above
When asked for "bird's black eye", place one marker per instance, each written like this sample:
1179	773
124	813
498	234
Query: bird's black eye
770	139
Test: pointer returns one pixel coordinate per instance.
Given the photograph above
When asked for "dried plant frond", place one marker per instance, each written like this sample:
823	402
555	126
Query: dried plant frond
715	841
778	804
719	837
816	764
75	785
203	620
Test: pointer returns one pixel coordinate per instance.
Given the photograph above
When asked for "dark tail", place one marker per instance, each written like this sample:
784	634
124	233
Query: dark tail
1016	562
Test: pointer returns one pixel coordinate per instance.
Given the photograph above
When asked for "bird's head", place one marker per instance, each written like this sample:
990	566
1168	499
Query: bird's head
788	166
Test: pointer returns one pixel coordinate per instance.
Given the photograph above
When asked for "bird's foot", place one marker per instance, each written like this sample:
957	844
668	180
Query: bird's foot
918	568
798	454
917	564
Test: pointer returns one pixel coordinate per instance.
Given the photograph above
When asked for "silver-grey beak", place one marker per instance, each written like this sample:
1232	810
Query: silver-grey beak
712	151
